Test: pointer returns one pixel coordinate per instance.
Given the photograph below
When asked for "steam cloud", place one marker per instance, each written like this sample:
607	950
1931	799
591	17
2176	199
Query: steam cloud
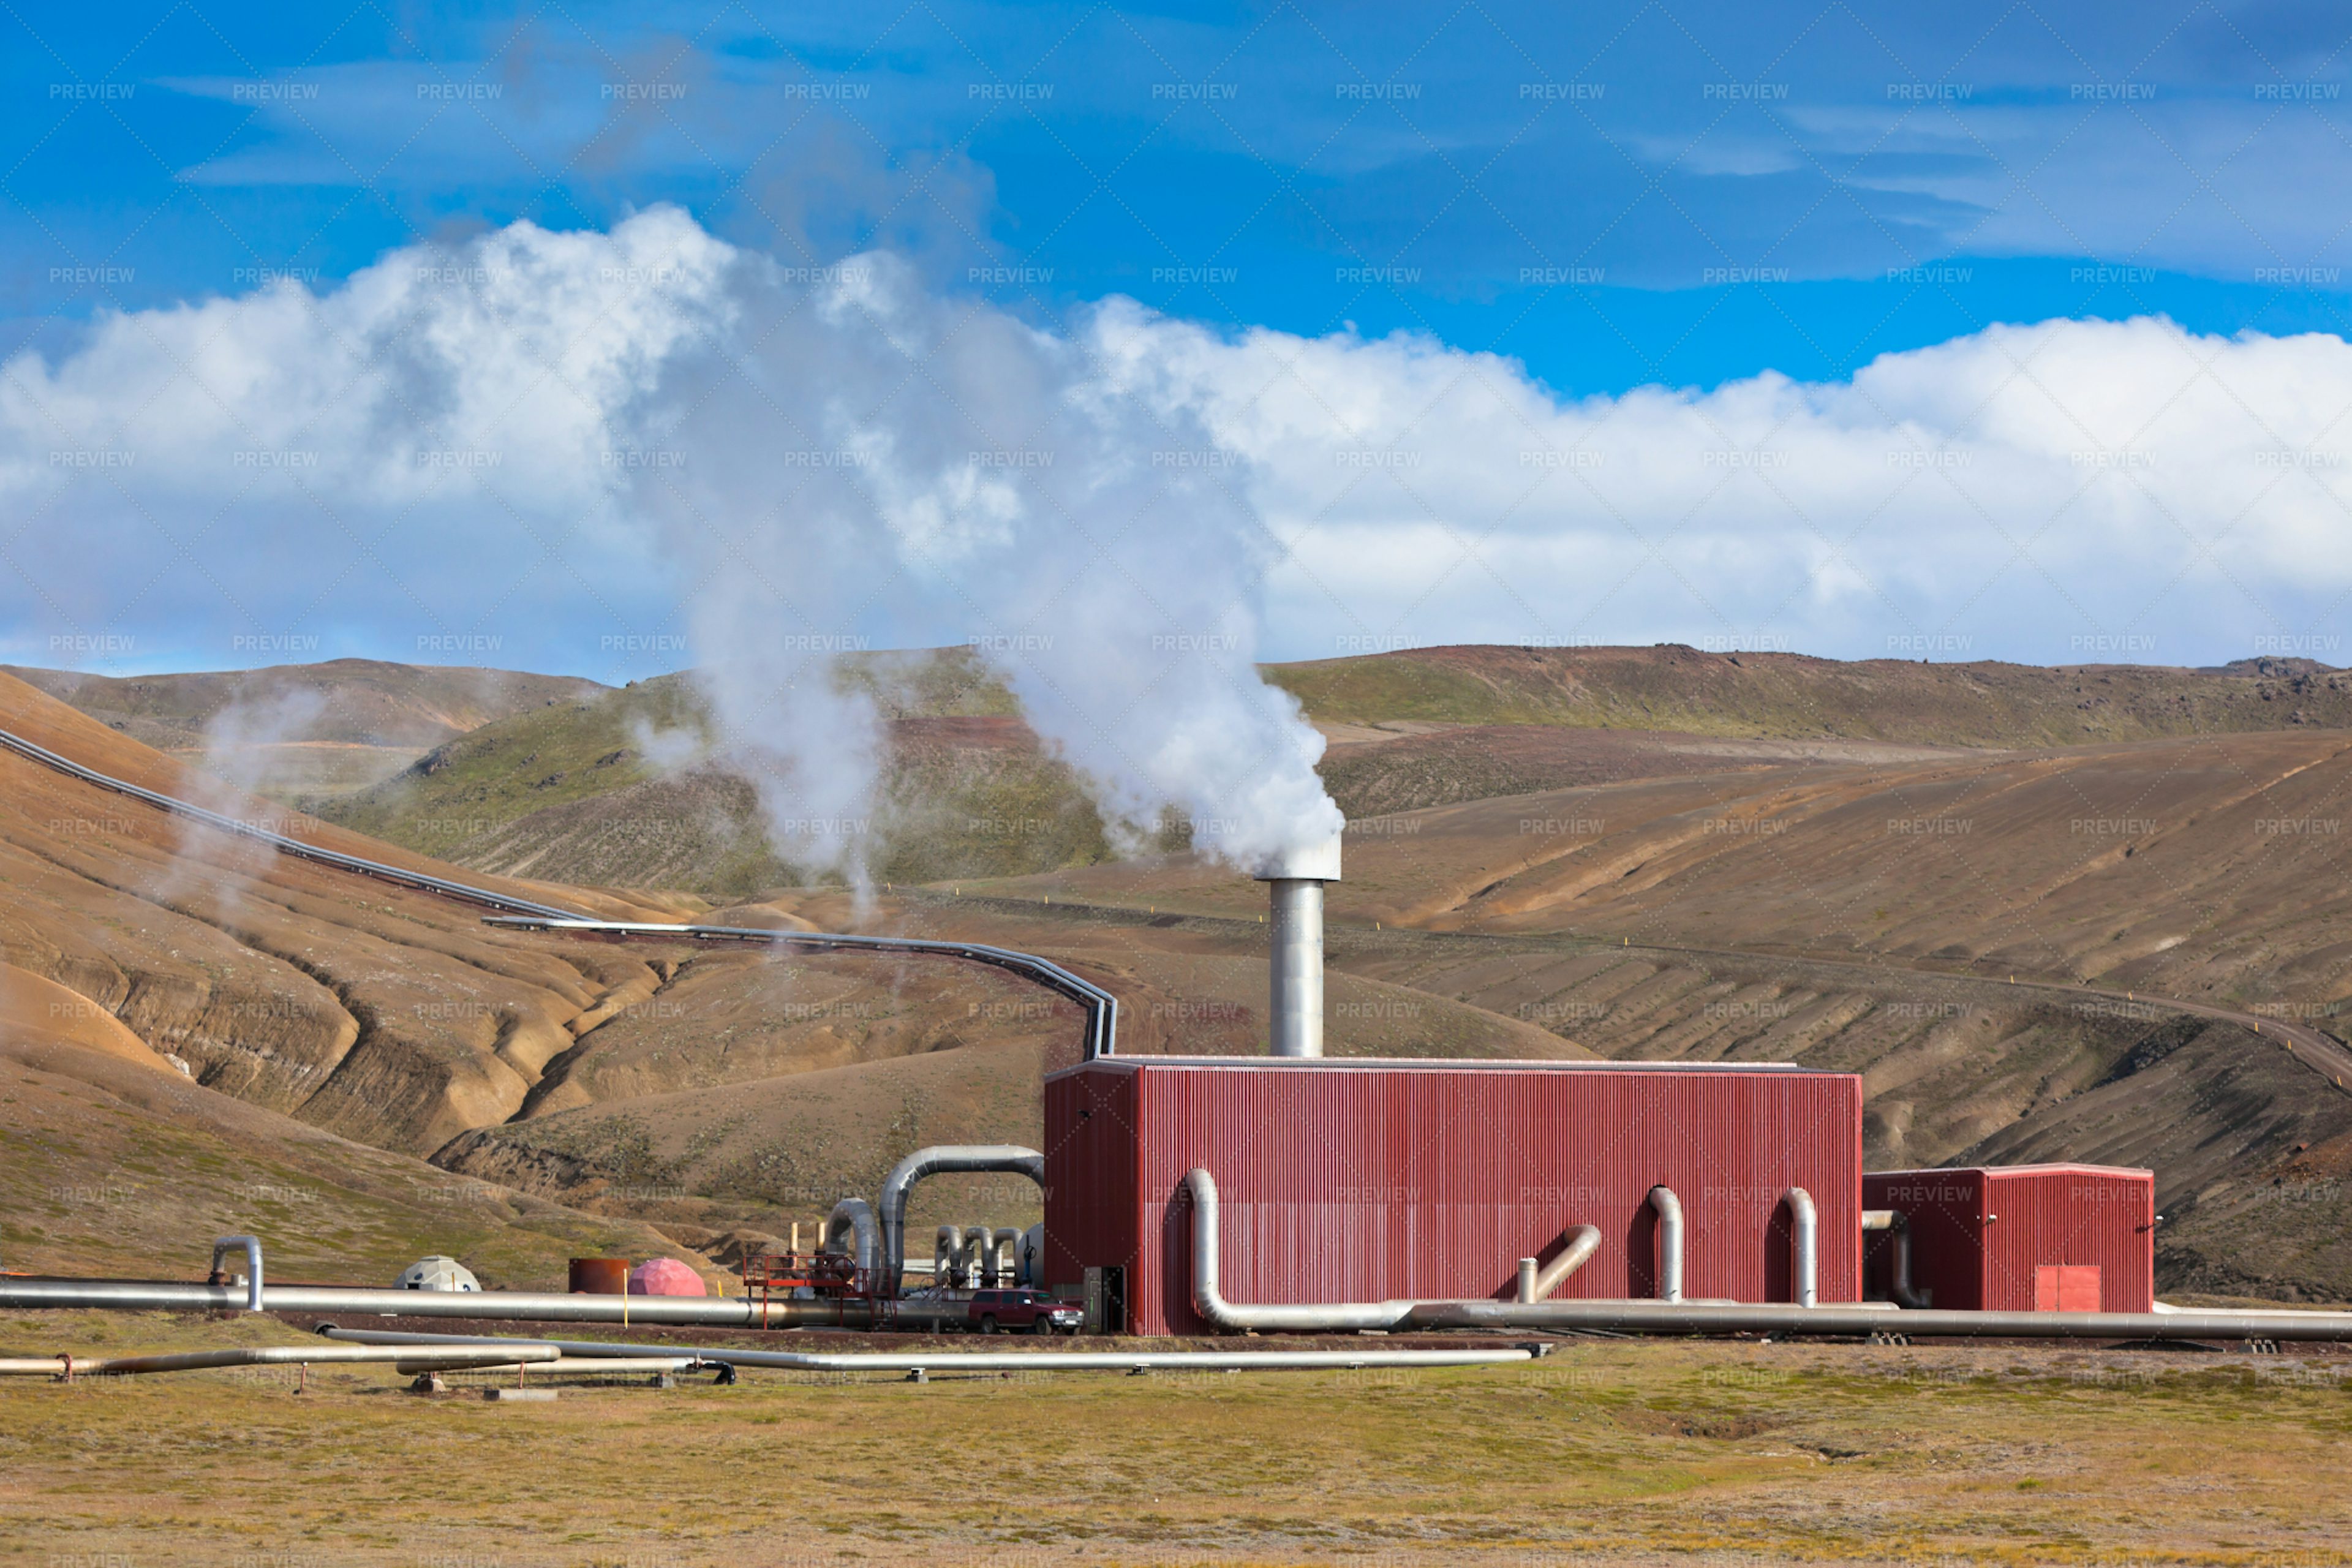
587	431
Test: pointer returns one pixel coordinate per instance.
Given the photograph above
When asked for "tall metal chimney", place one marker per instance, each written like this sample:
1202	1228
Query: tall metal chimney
1294	882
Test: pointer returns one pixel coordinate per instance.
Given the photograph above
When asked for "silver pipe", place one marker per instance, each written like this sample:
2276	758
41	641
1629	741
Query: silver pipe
439	1356
1008	1255
1040	1360
222	1245
973	1265
1669	1242
1294	995
1101	1037
851	1222
933	1162
571	1363
1737	1318
947	1256
1527	1286
1899	1281
1211	1302
1583	1241
1804	1240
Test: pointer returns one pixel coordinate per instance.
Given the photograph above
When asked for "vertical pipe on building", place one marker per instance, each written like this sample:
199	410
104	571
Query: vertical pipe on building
1527	1279
1294	882
1669	1242
1804	1240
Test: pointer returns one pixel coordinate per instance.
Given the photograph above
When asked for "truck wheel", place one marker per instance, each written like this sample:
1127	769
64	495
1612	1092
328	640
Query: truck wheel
988	1324
1044	1325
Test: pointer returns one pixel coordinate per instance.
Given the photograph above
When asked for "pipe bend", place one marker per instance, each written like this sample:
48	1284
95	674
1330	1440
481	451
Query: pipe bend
943	1157
1899	1286
1805	1244
222	1245
852	1220
1669	1210
1583	1241
1209	1300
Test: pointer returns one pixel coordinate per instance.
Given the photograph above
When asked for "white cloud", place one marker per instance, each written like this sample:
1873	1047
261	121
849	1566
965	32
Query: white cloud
572	445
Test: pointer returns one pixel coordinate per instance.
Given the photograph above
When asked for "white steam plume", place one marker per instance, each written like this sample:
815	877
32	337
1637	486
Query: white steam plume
861	453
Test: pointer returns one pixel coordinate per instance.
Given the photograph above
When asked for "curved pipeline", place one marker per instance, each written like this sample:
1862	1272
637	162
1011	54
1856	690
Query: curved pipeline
252	1245
1209	1300
1583	1241
1899	1281
1669	1242
947	1256
1805	1249
1004	1252
938	1160
1101	1037
851	1222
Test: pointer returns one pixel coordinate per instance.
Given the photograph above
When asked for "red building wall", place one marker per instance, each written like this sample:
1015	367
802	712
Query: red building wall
1996	1239
1349	1180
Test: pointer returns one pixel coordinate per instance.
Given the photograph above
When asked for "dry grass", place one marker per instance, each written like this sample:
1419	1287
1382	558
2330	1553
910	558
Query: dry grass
1605	1452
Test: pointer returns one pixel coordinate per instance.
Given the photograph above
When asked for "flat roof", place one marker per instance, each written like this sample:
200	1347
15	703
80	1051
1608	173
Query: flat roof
1438	1064
2051	1168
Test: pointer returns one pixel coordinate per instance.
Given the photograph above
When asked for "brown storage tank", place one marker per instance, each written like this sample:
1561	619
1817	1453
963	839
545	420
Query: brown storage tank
1365	1180
600	1276
2021	1238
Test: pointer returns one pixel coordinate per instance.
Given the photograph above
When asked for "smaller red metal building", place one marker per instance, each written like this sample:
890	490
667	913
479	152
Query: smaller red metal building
2021	1238
1353	1180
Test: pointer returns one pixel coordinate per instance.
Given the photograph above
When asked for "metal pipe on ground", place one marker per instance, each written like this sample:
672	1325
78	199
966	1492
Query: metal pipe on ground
1041	1360
938	1160
529	1306
1857	1320
440	1358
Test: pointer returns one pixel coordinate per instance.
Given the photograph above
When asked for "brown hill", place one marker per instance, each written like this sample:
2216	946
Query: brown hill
337	724
1671	687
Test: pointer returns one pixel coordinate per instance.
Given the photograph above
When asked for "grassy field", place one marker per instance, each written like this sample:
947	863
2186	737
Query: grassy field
1604	1452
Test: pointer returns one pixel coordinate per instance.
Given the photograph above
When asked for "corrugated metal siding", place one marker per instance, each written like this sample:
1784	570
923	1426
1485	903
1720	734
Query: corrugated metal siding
1090	1150
2081	1216
1946	1212
2071	1215
1366	1183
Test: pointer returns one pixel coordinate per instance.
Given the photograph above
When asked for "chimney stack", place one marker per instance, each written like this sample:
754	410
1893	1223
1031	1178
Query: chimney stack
1294	882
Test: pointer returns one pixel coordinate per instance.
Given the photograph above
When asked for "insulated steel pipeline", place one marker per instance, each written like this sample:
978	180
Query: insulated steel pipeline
1714	1317
981	1360
450	1357
697	1312
1101	1037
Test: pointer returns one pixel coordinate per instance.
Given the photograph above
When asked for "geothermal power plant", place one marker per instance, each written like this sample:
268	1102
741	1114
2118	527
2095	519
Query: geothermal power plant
1190	1196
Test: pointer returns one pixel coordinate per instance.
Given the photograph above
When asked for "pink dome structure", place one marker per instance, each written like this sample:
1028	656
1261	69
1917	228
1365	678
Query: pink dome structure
665	1277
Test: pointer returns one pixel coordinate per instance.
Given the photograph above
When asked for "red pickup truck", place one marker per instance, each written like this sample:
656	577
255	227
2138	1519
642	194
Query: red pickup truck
1009	1311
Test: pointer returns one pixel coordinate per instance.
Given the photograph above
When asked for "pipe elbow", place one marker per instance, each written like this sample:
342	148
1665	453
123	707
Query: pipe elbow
1805	1241
222	1245
1669	1210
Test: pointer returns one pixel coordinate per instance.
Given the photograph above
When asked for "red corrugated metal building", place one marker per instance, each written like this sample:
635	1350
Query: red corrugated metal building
1353	1180
2051	1238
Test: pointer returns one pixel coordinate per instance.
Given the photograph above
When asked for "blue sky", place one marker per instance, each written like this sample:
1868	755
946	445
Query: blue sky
1987	332
1571	187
